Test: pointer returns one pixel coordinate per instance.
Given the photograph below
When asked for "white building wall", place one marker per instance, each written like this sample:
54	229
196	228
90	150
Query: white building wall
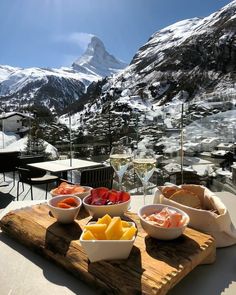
13	123
209	144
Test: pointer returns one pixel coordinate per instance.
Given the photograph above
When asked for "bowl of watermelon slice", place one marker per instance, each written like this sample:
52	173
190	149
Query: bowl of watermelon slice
103	201
71	189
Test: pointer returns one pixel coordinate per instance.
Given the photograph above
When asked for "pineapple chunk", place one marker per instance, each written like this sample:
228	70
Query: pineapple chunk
88	236
107	228
106	219
114	229
128	234
98	230
124	229
125	223
100	236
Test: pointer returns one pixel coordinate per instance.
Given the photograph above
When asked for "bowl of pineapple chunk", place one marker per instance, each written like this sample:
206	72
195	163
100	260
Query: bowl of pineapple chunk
109	238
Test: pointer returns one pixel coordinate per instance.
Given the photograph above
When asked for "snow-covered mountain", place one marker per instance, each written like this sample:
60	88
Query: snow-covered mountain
56	88
5	71
192	61
97	61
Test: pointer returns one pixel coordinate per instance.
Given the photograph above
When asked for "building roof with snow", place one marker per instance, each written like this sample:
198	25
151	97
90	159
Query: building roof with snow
7	115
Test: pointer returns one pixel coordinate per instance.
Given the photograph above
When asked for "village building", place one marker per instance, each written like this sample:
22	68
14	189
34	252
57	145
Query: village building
225	146
15	122
208	144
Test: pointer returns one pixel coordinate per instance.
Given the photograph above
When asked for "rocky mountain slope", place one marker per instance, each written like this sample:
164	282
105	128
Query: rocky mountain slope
197	56
97	61
192	62
56	88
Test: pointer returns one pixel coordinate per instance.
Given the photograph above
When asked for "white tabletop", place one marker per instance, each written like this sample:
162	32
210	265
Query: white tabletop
64	165
23	272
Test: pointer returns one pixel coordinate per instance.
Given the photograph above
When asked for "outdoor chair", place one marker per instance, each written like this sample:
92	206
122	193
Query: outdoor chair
97	177
8	163
24	160
34	177
5	199
189	177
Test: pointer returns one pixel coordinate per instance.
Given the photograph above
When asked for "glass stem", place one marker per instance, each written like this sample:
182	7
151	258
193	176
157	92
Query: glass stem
144	192
120	182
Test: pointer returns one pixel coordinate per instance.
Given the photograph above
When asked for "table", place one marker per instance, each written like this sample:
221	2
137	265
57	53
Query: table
63	166
23	272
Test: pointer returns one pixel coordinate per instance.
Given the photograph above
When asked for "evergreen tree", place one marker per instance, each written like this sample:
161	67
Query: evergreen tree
35	143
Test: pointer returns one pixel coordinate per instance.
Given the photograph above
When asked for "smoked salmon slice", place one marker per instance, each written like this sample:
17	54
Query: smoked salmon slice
167	218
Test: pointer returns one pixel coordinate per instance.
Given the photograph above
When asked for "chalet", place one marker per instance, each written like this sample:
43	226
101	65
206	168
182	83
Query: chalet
209	144
225	146
15	122
191	148
172	151
219	153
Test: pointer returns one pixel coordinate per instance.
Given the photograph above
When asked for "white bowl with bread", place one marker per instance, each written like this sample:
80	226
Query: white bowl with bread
206	211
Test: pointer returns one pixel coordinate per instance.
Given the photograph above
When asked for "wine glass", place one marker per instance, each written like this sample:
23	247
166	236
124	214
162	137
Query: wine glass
120	159
144	163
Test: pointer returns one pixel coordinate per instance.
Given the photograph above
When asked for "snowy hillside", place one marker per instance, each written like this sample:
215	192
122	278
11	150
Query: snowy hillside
194	56
11	142
18	79
56	88
190	63
5	71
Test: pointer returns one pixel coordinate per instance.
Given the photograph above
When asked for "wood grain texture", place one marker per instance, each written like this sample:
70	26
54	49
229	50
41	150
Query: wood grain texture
153	266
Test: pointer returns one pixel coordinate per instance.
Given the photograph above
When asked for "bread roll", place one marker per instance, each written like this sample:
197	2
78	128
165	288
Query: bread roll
168	191
186	198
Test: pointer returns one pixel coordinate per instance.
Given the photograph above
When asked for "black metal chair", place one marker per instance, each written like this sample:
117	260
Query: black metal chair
97	177
24	160
8	163
5	199
189	177
34	177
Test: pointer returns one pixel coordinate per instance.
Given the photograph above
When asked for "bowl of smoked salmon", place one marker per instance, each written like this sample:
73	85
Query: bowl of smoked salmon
163	222
65	208
71	189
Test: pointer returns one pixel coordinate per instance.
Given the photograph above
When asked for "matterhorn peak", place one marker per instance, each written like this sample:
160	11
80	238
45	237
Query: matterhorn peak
97	61
96	44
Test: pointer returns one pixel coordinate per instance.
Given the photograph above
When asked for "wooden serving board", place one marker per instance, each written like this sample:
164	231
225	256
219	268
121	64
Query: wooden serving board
153	266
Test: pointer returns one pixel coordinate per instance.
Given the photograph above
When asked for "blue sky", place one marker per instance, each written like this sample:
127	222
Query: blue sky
53	33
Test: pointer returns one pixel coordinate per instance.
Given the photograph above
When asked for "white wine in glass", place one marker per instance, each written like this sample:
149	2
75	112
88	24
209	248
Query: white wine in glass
144	163
120	159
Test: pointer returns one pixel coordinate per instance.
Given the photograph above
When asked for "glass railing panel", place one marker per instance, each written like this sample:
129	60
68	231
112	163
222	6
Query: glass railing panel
198	149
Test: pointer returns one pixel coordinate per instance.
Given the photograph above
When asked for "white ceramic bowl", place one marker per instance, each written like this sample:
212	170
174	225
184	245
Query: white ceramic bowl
80	195
101	210
157	231
64	215
97	250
